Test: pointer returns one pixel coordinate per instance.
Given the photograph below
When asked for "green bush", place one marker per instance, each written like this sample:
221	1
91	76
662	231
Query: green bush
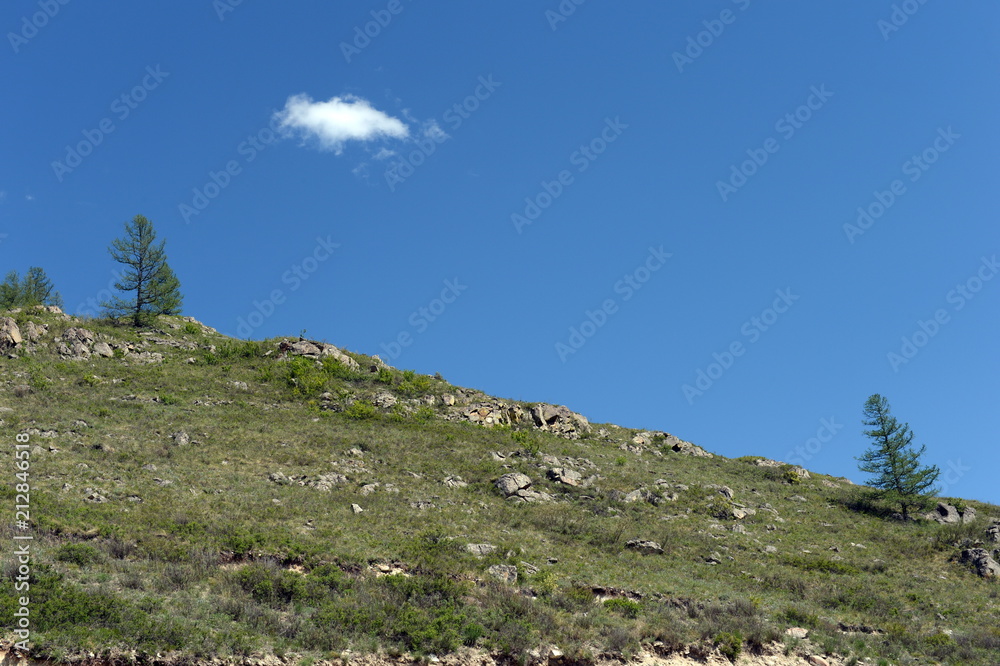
730	644
361	410
81	554
191	328
626	607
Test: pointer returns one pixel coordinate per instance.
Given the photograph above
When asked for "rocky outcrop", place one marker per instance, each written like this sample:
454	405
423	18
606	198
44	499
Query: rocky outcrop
494	413
559	420
318	350
324	482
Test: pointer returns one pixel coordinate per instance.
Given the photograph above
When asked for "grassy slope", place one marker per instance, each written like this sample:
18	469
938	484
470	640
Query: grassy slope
221	560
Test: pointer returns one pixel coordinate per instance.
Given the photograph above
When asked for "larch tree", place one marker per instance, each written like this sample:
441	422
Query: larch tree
152	287
894	463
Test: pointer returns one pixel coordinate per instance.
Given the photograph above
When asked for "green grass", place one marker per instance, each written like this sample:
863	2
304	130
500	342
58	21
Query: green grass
197	550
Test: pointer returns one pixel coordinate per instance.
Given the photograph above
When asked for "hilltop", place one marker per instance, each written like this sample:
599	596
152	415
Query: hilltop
196	497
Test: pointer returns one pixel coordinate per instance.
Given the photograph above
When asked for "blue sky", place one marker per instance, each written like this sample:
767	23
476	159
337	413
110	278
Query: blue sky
729	220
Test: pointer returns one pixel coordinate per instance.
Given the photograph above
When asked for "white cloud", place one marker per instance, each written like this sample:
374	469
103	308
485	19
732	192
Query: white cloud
338	120
29	197
3	194
384	154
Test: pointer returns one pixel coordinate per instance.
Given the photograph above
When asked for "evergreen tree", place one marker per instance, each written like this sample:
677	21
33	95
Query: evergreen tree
153	286
894	463
34	289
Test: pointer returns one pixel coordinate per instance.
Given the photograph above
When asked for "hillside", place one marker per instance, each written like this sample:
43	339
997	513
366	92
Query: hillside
285	501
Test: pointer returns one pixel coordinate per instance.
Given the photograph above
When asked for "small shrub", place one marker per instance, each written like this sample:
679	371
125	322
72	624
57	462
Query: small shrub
81	554
626	607
361	411
730	644
191	328
168	399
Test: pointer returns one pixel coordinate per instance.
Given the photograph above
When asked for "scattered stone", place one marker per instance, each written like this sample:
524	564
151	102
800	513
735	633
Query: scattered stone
422	505
240	386
644	547
797	498
817	661
356	509
797	632
181	438
726	491
454	482
94	497
480	549
369	488
505	573
714	558
770	549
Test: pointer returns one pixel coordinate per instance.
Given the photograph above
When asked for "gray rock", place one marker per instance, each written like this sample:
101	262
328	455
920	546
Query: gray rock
969	515
565	476
103	349
480	549
981	561
505	573
644	547
993	533
355	508
10	334
181	438
510	484
797	632
454	482
559	420
945	514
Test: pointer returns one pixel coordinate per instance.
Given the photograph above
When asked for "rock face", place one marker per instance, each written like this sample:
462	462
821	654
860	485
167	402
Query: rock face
10	334
981	561
559	420
505	573
993	532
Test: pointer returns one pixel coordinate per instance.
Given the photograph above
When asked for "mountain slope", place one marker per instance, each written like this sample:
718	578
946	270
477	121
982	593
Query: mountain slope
208	497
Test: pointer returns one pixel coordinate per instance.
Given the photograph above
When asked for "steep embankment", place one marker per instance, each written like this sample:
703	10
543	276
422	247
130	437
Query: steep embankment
202	497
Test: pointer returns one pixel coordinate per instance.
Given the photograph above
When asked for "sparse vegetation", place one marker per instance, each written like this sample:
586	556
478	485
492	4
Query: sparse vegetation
197	548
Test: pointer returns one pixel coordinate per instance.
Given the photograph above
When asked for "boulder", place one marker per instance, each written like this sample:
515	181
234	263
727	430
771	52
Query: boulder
480	549
339	356
103	349
644	547
505	573
565	476
10	334
945	514
993	532
678	445
511	484
981	561
304	348
797	632
968	515
34	332
454	482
